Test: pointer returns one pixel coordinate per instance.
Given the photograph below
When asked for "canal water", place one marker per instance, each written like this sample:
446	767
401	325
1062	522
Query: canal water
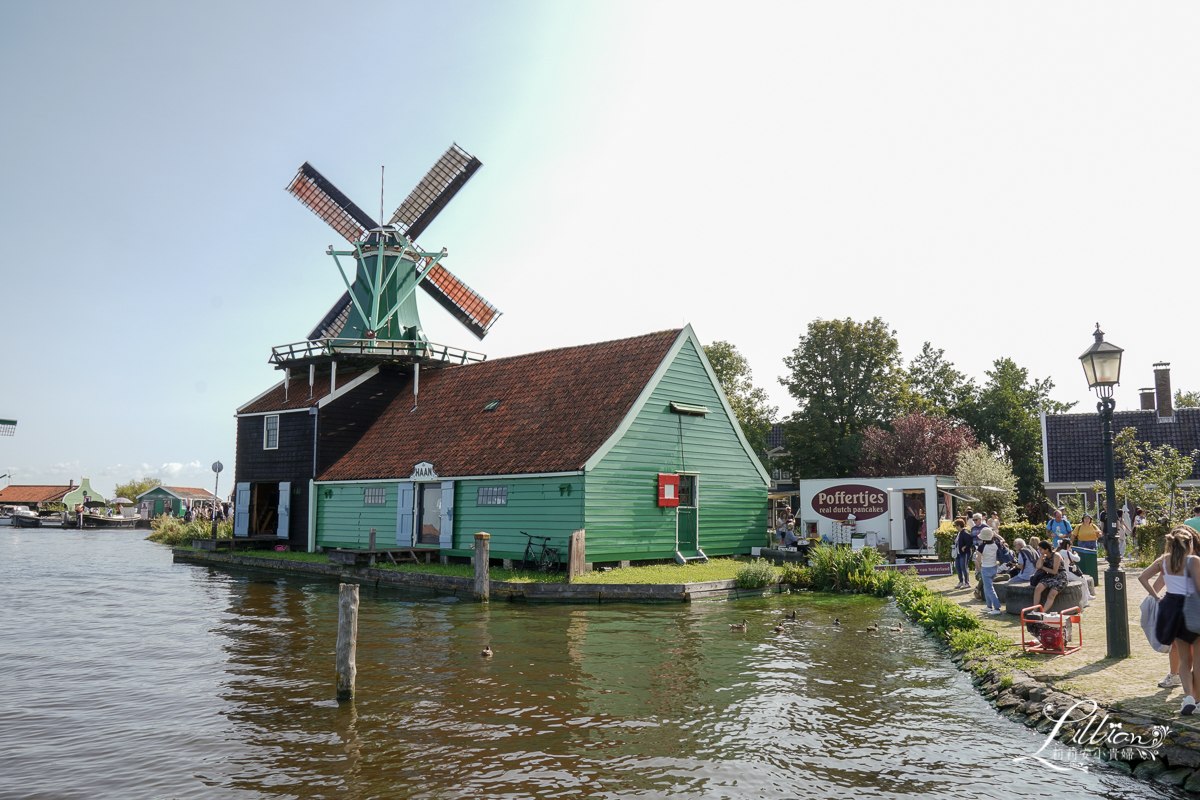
127	676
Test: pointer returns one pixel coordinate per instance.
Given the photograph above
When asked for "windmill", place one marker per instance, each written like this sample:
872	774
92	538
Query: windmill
378	311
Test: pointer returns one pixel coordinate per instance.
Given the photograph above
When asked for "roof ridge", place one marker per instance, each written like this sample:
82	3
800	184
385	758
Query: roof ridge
672	331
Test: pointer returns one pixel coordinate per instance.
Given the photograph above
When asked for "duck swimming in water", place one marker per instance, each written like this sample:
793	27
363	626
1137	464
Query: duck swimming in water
487	652
779	629
899	626
873	627
738	626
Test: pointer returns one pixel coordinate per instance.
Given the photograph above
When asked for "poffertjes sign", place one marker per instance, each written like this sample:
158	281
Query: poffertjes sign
839	502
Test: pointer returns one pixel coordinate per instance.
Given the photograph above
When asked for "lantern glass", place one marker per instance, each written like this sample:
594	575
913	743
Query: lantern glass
1102	362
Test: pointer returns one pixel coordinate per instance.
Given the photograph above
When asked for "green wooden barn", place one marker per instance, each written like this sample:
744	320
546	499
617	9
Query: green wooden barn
632	441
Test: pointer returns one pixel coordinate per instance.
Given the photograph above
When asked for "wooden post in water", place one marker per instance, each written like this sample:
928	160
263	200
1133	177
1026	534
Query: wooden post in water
483	582
576	555
371	546
347	639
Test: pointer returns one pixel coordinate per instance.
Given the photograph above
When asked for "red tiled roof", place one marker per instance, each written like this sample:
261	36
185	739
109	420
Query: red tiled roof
298	393
34	494
556	408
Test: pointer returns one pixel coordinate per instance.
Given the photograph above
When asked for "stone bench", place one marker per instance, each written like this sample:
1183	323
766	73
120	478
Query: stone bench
1019	596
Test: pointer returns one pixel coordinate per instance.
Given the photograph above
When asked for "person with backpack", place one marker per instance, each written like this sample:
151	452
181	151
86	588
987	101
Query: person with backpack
990	547
1025	563
1180	569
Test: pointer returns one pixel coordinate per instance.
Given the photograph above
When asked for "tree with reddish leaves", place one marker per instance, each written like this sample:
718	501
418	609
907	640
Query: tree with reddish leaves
917	444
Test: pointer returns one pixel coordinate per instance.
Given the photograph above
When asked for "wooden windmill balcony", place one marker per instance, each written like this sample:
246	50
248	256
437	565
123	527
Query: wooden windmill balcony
371	351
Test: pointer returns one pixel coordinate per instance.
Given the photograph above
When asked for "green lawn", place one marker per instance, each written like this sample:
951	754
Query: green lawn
717	569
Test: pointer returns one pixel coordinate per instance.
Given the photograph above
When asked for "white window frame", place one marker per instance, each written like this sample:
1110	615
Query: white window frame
267	432
374	495
491	496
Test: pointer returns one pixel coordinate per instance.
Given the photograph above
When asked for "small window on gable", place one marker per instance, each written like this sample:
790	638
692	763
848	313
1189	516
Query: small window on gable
492	406
271	432
374	496
492	496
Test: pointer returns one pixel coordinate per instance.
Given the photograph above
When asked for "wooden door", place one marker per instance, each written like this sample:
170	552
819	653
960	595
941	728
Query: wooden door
687	522
285	509
241	510
404	515
430	509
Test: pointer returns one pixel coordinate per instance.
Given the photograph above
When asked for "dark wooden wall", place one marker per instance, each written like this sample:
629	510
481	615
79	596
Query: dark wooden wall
292	461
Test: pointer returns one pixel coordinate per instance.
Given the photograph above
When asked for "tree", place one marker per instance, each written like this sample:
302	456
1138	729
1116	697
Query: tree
846	376
1187	399
1004	416
749	402
917	444
979	467
1153	476
133	488
935	385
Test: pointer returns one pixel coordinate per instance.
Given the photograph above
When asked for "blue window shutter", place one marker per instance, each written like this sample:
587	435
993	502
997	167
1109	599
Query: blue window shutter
446	532
404	515
285	508
241	510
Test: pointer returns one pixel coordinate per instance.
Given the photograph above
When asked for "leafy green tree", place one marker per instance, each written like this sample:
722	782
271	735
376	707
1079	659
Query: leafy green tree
749	402
131	489
846	377
979	467
1187	399
1004	416
935	386
1153	476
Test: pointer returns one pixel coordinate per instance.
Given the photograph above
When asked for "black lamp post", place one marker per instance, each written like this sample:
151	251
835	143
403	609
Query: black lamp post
1102	366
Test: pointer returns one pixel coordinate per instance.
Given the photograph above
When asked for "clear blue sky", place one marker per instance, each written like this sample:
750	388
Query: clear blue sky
994	179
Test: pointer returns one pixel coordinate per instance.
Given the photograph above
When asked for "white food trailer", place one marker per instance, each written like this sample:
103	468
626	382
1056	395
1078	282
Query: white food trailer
899	513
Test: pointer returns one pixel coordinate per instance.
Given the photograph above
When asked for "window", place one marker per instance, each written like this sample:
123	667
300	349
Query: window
492	406
775	475
492	496
271	432
374	496
787	476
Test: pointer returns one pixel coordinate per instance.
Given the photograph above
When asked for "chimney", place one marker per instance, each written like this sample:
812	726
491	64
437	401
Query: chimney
1147	399
1162	390
71	483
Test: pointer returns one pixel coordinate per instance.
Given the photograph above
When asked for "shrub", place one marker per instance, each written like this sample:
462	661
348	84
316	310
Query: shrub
798	575
933	612
175	532
1021	530
840	569
756	574
943	539
980	642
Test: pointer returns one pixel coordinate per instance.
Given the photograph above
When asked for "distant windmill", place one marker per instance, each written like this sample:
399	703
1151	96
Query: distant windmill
379	304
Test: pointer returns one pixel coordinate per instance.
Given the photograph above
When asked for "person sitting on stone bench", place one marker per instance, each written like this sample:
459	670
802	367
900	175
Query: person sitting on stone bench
1054	578
1023	567
790	539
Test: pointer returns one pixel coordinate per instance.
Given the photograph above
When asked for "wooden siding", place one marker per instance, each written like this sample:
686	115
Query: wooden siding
343	520
344	421
291	462
622	516
535	505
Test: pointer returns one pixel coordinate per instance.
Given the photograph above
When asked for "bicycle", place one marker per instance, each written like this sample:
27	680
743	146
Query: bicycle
545	560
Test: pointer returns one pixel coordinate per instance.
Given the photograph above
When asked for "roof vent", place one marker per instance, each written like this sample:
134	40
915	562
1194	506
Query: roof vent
492	406
1147	398
689	409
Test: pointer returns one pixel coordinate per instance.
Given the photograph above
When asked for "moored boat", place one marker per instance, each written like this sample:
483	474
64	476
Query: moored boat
26	519
101	521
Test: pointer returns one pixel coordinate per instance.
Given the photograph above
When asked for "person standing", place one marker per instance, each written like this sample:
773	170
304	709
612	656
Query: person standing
993	522
963	544
1180	569
1059	528
989	550
1086	535
1194	522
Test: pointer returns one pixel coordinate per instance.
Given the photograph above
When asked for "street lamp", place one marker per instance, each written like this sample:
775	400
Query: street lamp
1102	366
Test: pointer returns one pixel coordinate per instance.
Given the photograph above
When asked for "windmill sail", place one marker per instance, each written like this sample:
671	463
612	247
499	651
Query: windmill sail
330	326
436	189
467	306
315	191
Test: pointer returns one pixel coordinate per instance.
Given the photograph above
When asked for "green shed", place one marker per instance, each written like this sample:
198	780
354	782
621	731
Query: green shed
632	441
172	500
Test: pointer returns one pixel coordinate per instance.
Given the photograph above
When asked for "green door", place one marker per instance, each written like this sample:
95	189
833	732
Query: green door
686	523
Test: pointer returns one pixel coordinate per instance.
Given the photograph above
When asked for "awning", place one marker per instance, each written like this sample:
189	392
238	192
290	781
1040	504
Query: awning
966	498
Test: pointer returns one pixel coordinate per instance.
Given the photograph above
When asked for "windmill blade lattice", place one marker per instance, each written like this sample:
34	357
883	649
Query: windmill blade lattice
463	302
327	202
436	189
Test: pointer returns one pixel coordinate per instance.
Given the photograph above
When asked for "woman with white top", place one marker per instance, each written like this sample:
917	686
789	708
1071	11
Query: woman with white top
989	549
1181	576
1070	559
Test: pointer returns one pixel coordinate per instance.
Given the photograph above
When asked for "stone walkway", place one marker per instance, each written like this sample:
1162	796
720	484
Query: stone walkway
1129	685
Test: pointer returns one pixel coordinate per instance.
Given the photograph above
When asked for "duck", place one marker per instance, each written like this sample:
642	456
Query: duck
835	621
487	652
779	629
791	615
873	627
899	626
738	626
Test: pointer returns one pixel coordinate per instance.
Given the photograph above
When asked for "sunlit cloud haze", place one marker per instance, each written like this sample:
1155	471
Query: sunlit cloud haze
993	178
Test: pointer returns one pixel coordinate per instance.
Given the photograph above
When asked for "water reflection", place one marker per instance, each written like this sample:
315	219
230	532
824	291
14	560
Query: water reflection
215	684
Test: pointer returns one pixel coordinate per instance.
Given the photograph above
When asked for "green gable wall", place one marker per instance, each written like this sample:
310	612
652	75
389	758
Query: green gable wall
343	520
622	516
538	506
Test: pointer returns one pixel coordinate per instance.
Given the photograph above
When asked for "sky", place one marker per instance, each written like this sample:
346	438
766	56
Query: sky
992	178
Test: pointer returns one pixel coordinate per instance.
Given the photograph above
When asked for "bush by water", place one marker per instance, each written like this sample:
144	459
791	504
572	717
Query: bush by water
175	532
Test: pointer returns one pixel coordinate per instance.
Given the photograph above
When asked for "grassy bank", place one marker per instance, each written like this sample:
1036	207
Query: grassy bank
177	533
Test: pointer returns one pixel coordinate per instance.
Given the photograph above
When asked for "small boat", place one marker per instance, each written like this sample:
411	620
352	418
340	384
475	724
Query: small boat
26	519
101	521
